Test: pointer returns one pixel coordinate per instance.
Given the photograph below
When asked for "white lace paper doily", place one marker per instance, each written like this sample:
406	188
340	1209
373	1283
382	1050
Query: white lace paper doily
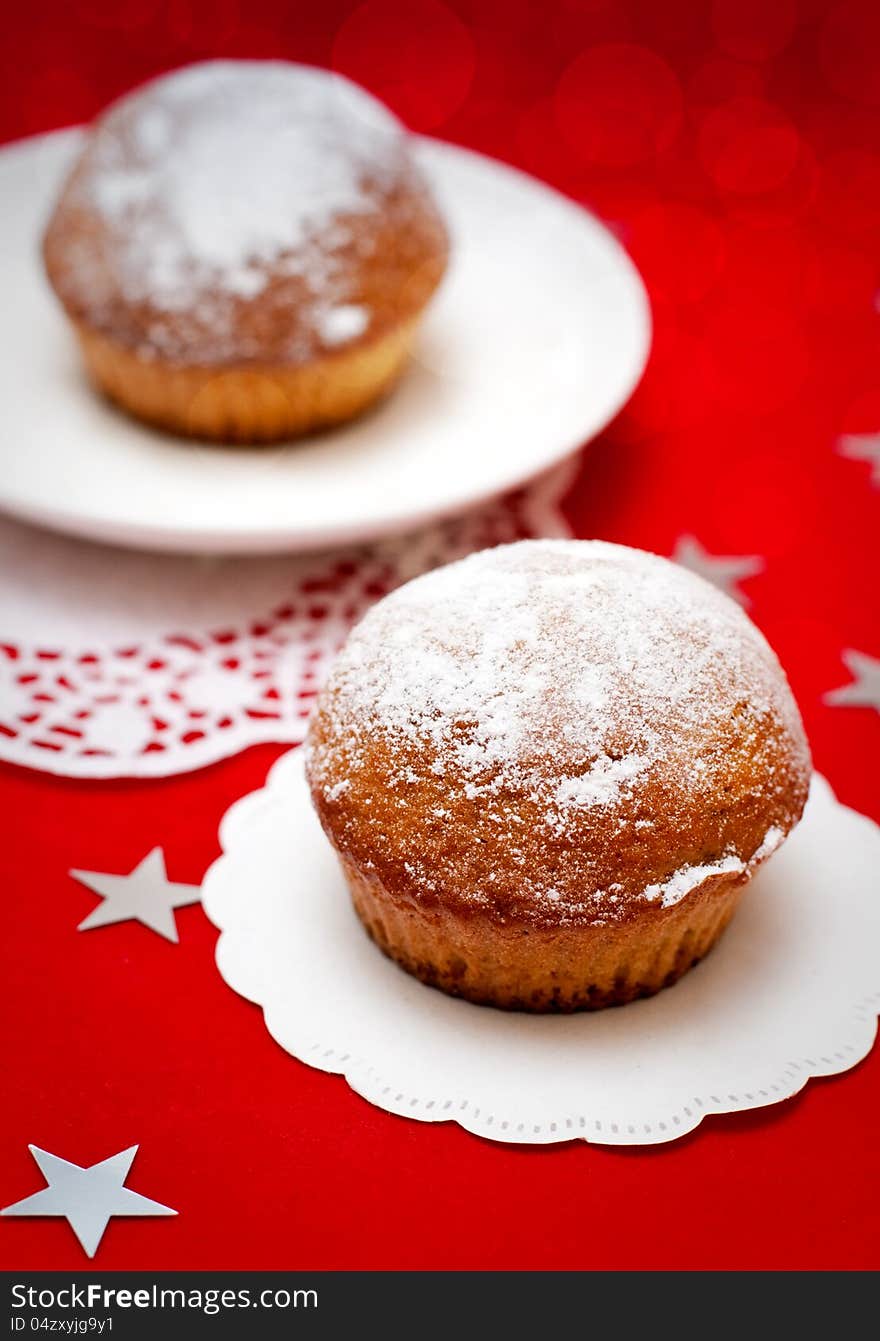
119	664
792	991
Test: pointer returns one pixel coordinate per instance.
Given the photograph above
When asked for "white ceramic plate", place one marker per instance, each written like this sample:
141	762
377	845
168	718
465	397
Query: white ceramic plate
792	991
535	341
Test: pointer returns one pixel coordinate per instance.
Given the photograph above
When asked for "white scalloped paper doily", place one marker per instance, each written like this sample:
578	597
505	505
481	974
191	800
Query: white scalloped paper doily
792	991
120	664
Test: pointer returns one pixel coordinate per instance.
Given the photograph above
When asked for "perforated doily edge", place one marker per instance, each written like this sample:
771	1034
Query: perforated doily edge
854	1035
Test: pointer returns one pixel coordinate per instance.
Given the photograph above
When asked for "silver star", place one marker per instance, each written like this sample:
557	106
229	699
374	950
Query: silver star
864	691
863	447
86	1197
146	895
722	571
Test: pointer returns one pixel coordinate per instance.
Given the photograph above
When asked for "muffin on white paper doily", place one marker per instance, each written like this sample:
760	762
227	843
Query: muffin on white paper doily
792	991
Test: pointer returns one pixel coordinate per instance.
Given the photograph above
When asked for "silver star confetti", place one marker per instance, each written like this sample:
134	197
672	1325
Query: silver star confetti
86	1197
864	691
863	447
723	571
146	895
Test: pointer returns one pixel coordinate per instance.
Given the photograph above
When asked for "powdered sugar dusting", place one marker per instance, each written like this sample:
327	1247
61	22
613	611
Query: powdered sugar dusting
214	175
601	785
689	878
340	324
773	838
571	679
579	641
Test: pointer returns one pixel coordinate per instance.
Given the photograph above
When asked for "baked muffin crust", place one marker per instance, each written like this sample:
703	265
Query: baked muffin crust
245	211
556	735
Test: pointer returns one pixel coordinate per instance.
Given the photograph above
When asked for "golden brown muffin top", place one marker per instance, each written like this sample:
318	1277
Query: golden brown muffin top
245	211
556	732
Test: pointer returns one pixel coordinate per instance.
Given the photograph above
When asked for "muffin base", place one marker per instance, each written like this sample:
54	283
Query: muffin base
252	403
546	969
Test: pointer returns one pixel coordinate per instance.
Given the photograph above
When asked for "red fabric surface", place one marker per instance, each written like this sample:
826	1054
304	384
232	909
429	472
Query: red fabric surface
736	149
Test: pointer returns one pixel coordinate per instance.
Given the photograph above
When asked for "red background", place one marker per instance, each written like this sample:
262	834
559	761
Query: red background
735	147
